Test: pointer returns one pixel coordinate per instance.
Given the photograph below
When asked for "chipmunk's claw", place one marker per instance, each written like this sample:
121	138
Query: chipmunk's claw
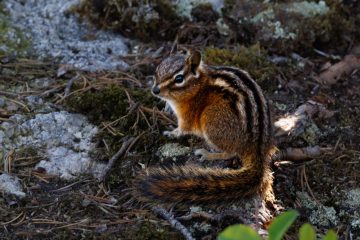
172	134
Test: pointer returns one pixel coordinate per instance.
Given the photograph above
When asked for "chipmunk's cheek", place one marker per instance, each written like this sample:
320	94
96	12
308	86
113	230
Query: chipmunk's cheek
164	93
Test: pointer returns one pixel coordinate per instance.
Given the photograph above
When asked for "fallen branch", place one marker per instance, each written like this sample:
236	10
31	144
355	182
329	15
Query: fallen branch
174	223
300	154
219	217
119	154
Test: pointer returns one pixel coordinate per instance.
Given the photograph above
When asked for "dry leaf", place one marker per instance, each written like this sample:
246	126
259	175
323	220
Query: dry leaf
345	67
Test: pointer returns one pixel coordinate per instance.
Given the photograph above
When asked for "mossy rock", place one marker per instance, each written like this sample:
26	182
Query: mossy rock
148	21
252	59
300	26
12	40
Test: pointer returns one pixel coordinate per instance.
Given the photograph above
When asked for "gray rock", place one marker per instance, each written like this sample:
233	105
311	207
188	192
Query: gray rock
55	33
324	216
320	215
353	202
65	138
273	28
11	185
353	198
278	24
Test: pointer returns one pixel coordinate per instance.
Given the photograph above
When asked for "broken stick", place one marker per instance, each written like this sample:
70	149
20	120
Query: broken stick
174	223
300	154
119	154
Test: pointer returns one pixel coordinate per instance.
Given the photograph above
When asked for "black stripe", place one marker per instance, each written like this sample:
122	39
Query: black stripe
248	112
270	128
230	96
251	84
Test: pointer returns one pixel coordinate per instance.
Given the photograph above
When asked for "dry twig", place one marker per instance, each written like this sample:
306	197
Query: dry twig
69	84
119	154
215	217
175	223
300	154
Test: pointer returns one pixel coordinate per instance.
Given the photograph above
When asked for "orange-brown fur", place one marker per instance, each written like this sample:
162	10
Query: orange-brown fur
225	107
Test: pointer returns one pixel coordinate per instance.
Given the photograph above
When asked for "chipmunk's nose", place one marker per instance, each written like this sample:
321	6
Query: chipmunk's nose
155	90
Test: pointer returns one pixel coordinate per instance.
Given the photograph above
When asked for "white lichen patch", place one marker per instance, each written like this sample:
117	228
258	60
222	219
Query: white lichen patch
11	185
58	34
324	216
356	222
272	28
222	27
65	139
202	227
305	200
353	198
173	150
195	209
308	9
352	202
320	215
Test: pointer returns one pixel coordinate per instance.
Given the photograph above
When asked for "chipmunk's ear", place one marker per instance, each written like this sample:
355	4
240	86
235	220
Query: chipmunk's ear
193	60
174	49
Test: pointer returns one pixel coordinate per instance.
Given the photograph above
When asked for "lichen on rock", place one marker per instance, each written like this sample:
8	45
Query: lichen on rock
11	185
324	216
320	215
173	150
12	40
64	138
290	26
59	35
353	198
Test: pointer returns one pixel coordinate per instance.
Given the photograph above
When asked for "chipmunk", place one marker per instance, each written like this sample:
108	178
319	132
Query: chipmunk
227	108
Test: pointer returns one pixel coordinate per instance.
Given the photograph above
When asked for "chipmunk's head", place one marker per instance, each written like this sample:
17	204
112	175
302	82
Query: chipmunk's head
177	76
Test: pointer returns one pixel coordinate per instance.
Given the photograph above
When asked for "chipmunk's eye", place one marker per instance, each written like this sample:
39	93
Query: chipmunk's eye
179	78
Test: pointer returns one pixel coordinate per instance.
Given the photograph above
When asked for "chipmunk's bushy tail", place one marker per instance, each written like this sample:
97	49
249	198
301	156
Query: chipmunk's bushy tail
194	185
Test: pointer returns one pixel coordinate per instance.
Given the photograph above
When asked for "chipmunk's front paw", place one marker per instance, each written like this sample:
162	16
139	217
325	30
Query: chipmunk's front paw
202	153
172	134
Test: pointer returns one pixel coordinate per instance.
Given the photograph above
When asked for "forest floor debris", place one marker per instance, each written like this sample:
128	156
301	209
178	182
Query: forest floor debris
121	107
129	111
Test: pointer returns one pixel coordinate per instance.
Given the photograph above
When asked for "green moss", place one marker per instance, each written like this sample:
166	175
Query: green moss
110	103
252	59
12	40
154	19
